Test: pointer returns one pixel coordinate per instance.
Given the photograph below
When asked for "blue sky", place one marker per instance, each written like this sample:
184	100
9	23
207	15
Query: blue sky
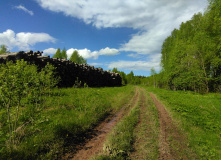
126	34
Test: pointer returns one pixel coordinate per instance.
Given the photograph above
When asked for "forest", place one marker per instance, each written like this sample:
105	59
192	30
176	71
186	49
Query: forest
191	55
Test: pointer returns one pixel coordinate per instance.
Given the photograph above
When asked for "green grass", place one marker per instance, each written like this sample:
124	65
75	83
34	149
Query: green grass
199	116
147	132
65	117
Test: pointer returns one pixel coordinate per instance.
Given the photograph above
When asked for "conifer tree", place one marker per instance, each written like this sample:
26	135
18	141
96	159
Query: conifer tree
57	54
64	54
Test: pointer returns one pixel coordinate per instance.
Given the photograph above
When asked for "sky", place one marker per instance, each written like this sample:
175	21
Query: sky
125	34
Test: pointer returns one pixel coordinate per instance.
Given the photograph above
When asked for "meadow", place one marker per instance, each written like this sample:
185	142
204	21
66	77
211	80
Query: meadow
62	119
196	115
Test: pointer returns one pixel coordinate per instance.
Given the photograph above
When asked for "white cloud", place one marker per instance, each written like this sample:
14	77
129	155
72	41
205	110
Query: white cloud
88	54
154	19
21	7
23	40
96	64
108	51
85	53
134	55
49	51
134	65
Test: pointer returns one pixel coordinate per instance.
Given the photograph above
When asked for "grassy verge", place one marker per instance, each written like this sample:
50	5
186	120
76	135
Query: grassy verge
147	131
66	116
120	141
198	116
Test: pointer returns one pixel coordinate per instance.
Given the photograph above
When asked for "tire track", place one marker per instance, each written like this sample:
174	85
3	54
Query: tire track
94	146
146	131
172	144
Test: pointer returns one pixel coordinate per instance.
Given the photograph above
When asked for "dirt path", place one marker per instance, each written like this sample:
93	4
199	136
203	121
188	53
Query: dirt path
94	146
140	140
171	141
147	130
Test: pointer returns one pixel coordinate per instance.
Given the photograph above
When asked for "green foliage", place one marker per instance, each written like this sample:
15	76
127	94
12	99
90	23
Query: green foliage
122	74
130	77
64	54
76	58
60	54
191	56
51	122
57	54
3	49
21	94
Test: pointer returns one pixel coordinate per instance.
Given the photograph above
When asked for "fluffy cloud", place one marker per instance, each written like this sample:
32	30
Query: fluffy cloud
134	65
49	51
108	51
25	9
154	19
87	54
23	40
151	60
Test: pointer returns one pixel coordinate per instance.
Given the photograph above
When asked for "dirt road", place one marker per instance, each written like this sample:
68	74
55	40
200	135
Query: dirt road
94	146
169	141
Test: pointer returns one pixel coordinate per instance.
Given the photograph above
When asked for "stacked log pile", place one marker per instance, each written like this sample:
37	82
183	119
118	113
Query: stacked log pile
69	72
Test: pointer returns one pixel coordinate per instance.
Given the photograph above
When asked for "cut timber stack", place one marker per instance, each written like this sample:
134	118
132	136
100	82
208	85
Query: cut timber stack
68	71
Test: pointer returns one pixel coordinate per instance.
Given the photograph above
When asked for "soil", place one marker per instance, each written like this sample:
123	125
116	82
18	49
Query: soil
94	145
171	142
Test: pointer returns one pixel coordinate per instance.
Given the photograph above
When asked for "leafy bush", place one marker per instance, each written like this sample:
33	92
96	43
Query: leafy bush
22	90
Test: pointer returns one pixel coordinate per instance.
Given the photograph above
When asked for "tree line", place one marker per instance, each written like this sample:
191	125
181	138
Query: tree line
191	55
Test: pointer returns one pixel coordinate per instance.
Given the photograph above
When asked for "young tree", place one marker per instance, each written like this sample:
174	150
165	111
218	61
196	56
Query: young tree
3	49
76	58
23	85
64	54
57	54
130	77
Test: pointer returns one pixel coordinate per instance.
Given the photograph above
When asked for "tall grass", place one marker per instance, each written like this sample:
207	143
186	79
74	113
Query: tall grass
198	116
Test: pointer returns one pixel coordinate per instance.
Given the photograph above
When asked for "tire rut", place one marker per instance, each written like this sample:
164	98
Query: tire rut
171	141
94	146
138	142
146	132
